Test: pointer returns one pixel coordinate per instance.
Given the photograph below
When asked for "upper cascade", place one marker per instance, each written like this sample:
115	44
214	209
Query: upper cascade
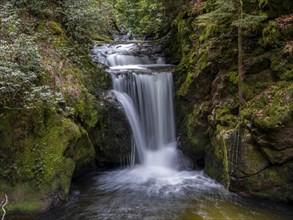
140	55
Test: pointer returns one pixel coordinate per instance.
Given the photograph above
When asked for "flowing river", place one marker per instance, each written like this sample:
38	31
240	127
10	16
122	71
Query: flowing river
158	183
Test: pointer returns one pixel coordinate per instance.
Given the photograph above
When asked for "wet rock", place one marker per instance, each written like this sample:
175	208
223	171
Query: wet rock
278	157
275	182
112	135
258	66
138	52
247	168
276	143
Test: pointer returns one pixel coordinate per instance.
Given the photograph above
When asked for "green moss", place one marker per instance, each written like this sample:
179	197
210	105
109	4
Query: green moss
217	160
234	77
29	207
199	63
66	176
48	151
192	120
82	153
55	28
272	108
270	36
38	160
207	32
272	183
223	115
226	176
22	198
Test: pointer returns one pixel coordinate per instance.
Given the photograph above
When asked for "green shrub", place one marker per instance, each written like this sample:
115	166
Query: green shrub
21	71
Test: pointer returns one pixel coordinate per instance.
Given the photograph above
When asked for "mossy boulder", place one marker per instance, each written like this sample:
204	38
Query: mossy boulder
274	182
195	139
271	109
276	143
82	152
216	158
36	166
243	167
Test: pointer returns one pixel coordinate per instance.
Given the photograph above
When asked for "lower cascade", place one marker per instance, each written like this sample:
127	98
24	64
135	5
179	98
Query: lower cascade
147	102
157	184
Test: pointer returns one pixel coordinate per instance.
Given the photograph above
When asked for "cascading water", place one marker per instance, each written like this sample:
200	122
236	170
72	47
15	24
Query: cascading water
154	187
148	103
145	90
143	84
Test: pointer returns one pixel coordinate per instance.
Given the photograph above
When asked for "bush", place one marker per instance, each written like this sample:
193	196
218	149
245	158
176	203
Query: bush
21	72
87	19
143	17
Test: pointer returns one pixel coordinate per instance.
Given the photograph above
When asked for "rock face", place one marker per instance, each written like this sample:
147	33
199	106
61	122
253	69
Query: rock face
249	152
246	169
112	136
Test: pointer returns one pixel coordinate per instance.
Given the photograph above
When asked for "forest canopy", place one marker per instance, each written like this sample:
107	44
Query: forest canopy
151	17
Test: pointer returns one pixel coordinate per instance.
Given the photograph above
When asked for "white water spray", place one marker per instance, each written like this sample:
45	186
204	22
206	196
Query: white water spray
143	84
148	103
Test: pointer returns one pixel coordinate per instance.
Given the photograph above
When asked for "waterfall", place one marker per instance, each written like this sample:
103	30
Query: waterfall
147	100
144	87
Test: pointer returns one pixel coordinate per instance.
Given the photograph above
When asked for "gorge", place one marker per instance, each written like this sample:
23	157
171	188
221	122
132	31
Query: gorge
181	110
155	181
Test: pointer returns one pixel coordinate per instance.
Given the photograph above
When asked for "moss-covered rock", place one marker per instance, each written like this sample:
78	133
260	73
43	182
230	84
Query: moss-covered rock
217	161
249	146
36	170
272	108
45	142
274	182
82	153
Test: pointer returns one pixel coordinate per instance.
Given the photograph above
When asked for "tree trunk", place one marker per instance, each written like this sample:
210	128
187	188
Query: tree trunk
240	57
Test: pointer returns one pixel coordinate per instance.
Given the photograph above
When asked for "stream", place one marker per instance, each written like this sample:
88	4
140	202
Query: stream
158	183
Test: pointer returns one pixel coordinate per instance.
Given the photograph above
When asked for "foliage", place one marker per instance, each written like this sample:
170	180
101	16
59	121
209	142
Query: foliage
223	16
226	12
276	8
87	19
32	5
272	108
263	3
232	12
20	67
145	16
271	36
95	19
140	16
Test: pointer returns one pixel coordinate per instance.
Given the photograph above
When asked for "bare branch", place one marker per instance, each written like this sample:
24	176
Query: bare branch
5	203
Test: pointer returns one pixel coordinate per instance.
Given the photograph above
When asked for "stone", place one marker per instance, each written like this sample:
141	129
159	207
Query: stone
111	137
